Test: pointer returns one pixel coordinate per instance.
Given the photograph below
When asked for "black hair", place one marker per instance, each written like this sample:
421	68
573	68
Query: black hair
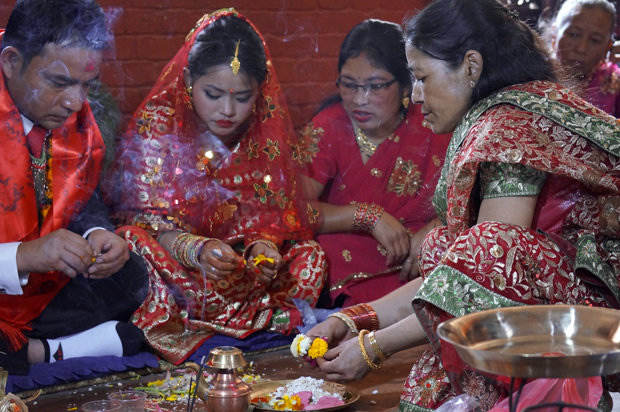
512	52
35	23
217	43
384	46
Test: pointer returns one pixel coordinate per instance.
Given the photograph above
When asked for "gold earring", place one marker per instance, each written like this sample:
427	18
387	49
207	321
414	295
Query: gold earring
473	84
189	90
406	100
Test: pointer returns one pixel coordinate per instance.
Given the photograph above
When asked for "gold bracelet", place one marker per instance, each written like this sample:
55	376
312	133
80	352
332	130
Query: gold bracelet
347	321
375	346
360	338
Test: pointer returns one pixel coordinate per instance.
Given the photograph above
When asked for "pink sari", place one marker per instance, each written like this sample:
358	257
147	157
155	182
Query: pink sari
603	89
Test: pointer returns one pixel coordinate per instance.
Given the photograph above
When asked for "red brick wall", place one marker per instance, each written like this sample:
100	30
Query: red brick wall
304	37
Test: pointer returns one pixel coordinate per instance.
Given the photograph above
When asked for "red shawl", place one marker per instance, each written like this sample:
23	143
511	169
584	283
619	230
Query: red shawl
77	153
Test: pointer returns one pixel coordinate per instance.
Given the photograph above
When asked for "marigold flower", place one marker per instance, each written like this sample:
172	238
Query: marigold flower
318	348
287	403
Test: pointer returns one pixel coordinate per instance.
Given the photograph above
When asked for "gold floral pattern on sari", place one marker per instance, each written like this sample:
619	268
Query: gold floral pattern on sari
426	386
405	178
271	149
312	213
144	124
307	145
346	255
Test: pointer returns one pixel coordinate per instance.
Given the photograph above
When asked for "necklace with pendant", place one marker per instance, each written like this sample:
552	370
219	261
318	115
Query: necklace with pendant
366	146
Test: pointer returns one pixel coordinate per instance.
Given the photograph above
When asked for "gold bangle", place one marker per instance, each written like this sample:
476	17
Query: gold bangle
375	346
347	321
370	363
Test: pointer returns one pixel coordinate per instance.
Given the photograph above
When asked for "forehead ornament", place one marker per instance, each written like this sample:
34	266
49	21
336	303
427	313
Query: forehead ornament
235	64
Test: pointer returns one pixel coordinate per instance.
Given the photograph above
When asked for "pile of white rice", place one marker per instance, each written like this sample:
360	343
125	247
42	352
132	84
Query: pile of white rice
305	383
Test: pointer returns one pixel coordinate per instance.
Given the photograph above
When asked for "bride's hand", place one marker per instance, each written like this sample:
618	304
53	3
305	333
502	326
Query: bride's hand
219	260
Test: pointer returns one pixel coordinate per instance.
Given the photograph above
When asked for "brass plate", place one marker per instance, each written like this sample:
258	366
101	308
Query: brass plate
551	341
261	389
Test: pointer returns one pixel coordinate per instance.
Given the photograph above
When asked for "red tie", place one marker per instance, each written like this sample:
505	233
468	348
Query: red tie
35	140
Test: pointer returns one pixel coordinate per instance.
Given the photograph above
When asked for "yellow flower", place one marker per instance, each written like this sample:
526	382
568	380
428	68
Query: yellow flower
318	348
261	258
288	403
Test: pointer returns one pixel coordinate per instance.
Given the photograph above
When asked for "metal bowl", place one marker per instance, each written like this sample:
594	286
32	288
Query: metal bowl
552	341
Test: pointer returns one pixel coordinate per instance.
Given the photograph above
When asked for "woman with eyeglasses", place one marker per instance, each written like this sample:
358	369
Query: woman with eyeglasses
372	169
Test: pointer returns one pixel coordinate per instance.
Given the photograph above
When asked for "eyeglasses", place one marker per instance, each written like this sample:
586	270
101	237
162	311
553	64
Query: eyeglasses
369	88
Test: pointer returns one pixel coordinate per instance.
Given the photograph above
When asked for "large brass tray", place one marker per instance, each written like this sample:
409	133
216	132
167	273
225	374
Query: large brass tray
552	341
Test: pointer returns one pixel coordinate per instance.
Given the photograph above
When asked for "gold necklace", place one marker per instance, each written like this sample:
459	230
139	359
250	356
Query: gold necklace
366	146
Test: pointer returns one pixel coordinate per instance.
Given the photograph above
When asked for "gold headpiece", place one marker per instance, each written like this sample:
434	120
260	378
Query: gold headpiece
235	64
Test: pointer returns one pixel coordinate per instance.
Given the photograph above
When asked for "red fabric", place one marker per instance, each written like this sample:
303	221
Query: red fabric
400	176
77	153
183	308
36	137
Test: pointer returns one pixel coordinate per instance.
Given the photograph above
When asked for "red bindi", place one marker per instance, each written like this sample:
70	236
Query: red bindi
232	91
90	66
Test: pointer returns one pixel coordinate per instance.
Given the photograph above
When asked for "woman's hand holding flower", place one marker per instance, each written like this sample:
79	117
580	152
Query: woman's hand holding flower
219	260
264	260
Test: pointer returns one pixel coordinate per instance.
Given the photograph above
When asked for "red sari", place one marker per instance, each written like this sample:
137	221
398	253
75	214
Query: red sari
77	151
569	255
240	195
400	176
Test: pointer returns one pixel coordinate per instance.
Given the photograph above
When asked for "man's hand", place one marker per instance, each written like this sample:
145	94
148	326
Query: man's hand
60	250
110	252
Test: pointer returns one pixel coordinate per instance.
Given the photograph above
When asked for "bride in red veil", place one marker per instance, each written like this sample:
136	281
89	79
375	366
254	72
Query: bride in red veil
205	168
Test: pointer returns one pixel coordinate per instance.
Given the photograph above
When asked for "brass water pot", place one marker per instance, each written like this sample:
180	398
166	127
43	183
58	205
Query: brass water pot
226	392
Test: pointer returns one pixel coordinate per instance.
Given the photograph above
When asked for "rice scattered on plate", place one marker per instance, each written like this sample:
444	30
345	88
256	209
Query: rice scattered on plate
303	393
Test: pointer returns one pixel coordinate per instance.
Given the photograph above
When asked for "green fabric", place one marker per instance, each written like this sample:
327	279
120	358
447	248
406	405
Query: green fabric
510	179
589	259
596	130
454	293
